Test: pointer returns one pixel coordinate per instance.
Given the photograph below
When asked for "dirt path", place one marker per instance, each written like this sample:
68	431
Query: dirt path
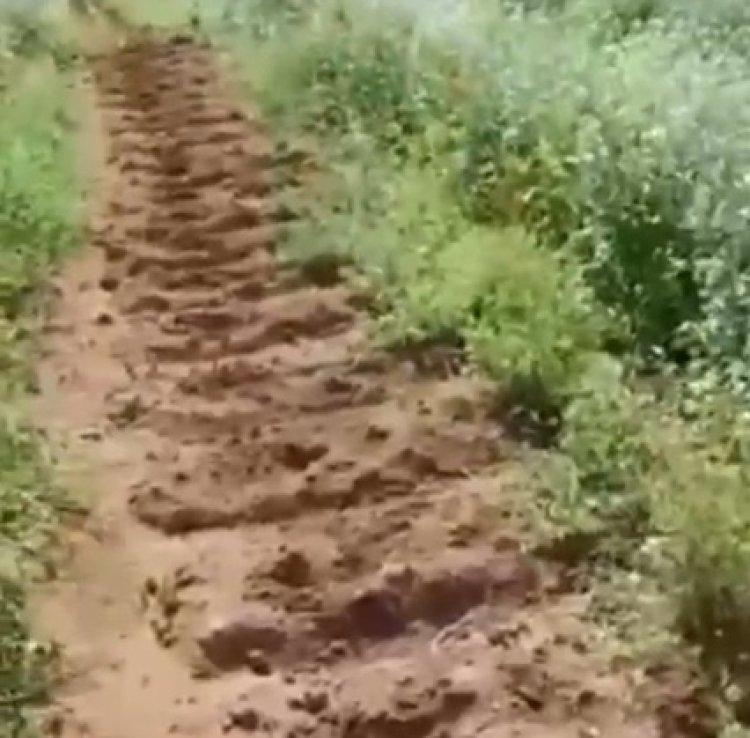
290	534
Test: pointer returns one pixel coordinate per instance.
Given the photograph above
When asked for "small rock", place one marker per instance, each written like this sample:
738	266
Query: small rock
407	702
184	578
301	730
530	687
314	702
590	731
377	433
292	569
299	456
258	663
463	689
461	534
376	613
128	412
372	395
503	635
151	587
200	671
338	649
585	698
423	408
459	408
399	576
245	718
227	640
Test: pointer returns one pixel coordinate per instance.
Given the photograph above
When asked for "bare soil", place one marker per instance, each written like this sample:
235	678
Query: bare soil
290	534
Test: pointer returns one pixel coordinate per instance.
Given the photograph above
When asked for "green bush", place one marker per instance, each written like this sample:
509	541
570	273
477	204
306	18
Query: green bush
36	218
26	33
626	151
520	312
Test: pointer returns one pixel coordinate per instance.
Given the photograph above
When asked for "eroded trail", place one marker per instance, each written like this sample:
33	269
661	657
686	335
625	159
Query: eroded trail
291	535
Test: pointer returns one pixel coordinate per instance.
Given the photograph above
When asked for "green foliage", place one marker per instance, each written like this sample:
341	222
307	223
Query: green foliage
520	312
701	503
594	483
36	220
625	149
27	519
26	33
37	225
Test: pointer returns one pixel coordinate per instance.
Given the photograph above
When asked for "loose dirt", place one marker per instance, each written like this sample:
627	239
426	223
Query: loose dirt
290	534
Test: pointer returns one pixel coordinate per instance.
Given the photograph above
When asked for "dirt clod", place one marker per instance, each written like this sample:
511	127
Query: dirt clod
227	640
292	569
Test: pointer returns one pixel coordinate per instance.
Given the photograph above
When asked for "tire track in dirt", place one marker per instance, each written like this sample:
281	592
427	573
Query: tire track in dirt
291	534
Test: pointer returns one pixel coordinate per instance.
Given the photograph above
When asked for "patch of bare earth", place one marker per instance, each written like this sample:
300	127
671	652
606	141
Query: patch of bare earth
290	535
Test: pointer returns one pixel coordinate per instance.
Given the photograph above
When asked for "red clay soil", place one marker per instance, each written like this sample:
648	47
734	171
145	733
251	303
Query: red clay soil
290	533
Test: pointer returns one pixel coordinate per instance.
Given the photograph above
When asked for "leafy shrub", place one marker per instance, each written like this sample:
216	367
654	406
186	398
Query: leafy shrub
36	220
520	312
26	33
626	150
